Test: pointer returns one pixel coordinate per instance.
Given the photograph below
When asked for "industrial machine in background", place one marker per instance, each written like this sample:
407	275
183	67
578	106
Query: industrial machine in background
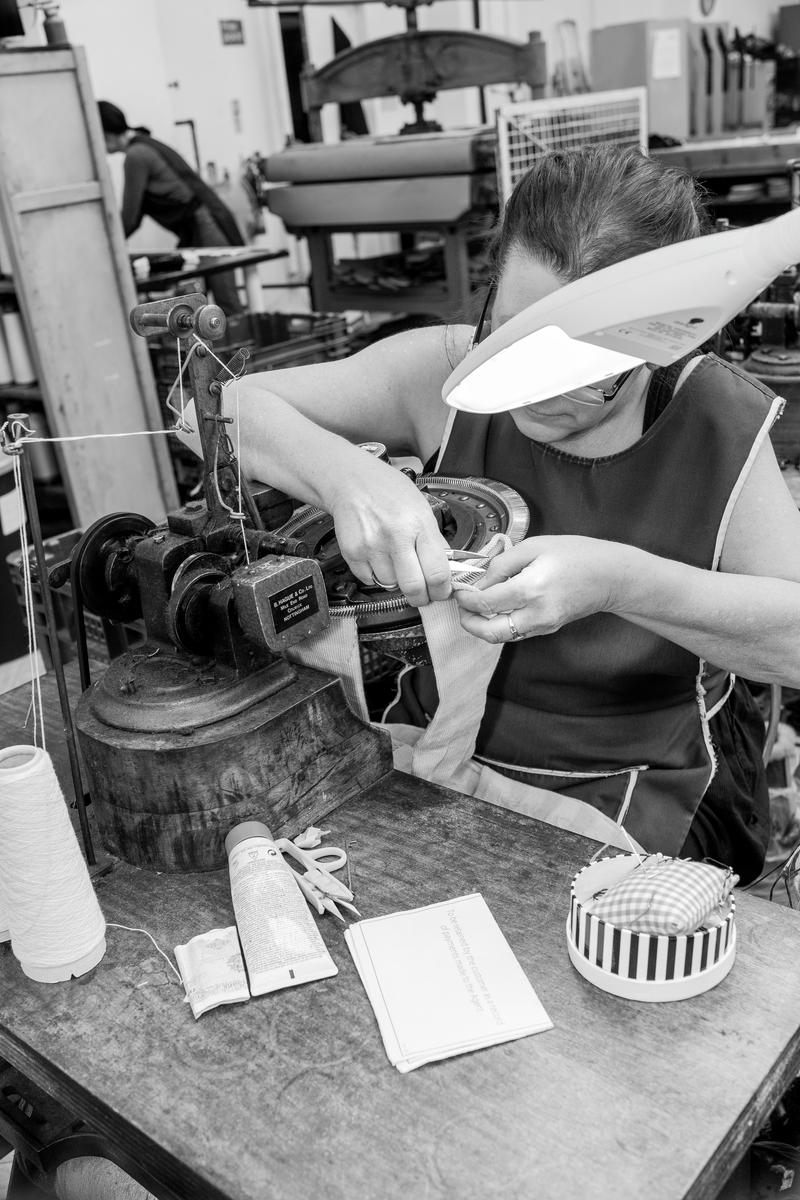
435	188
437	191
205	722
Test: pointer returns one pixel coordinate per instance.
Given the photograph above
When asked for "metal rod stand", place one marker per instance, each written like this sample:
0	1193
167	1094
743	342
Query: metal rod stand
18	424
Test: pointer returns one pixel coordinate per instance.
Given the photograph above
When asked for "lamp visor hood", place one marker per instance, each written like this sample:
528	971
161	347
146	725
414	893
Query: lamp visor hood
535	367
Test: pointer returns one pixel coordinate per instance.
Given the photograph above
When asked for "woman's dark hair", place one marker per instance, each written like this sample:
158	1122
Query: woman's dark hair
111	118
577	211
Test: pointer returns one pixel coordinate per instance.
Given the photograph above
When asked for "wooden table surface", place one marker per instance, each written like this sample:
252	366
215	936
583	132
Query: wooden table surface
291	1095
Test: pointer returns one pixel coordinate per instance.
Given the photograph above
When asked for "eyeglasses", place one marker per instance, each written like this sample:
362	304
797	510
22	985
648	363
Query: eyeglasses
484	326
592	394
599	393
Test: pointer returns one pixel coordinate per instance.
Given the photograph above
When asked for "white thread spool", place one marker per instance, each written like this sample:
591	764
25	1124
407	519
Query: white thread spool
57	928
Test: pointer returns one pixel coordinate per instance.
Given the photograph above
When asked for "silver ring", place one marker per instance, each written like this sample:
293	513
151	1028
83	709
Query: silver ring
516	636
387	587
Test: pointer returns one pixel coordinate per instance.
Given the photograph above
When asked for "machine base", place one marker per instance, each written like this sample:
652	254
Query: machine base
165	801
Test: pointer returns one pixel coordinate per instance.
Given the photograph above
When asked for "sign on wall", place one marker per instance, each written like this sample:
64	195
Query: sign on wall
232	33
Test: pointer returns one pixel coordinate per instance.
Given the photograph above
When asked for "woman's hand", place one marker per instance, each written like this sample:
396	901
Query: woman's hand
542	584
388	534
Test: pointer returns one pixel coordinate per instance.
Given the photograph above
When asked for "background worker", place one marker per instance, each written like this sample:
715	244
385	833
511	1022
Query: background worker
158	183
665	556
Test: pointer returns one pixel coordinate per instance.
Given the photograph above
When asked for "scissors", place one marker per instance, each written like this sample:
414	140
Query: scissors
321	889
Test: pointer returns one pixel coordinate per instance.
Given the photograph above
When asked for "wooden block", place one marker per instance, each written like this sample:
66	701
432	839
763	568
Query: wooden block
166	801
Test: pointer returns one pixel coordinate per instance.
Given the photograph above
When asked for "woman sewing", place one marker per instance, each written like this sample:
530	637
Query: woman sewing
664	550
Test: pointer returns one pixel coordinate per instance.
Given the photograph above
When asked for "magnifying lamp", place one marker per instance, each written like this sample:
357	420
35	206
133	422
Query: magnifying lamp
656	307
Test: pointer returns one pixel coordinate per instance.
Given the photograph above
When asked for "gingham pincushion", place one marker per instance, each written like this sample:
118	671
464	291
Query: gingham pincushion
666	895
638	964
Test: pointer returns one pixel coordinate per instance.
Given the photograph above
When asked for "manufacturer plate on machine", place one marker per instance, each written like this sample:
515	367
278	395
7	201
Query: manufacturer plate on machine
293	604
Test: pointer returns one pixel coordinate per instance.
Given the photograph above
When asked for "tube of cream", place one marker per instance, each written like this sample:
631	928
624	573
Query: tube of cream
280	940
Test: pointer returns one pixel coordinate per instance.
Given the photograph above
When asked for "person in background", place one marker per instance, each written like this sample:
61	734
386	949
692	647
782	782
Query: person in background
664	556
161	185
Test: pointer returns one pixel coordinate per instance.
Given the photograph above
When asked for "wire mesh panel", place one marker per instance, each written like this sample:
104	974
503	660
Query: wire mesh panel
527	129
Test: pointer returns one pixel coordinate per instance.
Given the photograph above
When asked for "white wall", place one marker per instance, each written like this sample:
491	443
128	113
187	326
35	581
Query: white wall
164	60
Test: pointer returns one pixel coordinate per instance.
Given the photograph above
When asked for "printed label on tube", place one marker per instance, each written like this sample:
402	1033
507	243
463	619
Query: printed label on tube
280	940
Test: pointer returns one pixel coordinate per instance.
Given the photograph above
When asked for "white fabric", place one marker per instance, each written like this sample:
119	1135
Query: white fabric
336	650
442	751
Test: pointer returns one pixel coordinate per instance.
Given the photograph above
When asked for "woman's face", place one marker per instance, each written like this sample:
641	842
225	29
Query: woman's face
523	282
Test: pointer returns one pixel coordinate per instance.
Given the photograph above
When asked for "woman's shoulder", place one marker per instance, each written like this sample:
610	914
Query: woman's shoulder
140	156
714	386
431	352
723	376
447	343
142	148
457	340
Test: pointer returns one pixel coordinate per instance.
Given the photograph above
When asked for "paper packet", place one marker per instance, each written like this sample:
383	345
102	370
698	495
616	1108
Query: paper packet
212	970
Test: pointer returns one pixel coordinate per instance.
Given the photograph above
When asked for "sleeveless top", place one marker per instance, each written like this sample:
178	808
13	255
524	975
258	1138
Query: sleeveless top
603	709
181	194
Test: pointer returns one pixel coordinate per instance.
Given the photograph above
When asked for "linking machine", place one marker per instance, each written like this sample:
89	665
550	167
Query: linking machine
206	722
436	188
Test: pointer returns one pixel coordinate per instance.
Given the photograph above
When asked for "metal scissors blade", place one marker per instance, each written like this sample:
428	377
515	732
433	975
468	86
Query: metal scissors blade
468	556
319	865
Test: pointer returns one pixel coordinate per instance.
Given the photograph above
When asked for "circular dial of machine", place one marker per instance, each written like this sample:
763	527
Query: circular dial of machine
469	513
102	563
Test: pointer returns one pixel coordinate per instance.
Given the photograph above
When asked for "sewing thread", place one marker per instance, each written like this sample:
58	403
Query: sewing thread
57	928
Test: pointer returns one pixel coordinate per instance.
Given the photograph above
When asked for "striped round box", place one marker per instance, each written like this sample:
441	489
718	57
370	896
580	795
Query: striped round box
642	966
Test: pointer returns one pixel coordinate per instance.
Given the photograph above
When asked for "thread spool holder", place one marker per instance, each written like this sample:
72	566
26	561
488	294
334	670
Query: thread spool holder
13	443
190	319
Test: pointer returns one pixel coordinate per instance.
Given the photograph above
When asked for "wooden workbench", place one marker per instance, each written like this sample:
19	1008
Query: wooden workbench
291	1095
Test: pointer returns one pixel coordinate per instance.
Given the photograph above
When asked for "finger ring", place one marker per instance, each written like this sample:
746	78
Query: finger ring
516	636
379	583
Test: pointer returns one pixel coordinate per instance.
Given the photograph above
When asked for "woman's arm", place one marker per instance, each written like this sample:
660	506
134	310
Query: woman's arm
136	175
744	618
391	392
296	429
